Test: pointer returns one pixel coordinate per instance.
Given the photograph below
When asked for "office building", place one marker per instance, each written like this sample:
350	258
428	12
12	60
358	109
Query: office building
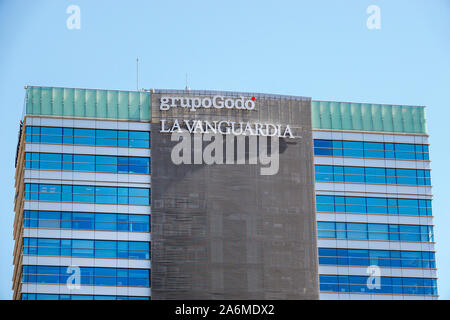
168	194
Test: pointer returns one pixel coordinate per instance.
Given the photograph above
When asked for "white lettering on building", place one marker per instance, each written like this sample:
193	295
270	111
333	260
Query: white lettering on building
227	127
217	102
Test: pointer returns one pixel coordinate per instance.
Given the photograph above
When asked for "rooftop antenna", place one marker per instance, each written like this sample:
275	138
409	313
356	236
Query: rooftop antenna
137	74
187	86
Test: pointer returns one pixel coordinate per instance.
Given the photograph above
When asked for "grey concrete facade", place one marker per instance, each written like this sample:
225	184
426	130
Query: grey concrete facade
225	231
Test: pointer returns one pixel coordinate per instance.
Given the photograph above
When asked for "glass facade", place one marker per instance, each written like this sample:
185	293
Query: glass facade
380	221
89	194
89	276
382	258
416	177
86	248
88	137
377	150
370	205
388	285
83	162
374	231
87	221
102	221
44	296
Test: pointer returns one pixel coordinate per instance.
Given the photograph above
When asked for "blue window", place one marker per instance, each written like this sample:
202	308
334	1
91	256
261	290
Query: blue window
87	221
355	204
139	165
373	205
51	135
84	136
42	296
325	203
354	174
379	150
139	139
106	221
83	194
91	137
353	149
377	205
323	147
372	175
138	223
106	138
89	276
373	146
375	175
83	162
374	231
87	248
405	151
48	192
337	148
49	161
68	193
123	139
326	229
378	232
47	219
67	162
106	195
390	285
324	169
79	162
106	164
382	258
110	134
356	230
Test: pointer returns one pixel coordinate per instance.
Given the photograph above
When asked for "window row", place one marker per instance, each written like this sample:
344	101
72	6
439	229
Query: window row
45	296
86	248
379	150
89	137
387	285
380	258
415	207
88	276
373	175
87	221
91	194
83	162
374	231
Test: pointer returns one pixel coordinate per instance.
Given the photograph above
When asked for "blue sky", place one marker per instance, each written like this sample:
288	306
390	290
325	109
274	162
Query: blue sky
321	49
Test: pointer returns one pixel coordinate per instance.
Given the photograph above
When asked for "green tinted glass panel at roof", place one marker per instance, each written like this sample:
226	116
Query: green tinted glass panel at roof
368	117
88	103
133	105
